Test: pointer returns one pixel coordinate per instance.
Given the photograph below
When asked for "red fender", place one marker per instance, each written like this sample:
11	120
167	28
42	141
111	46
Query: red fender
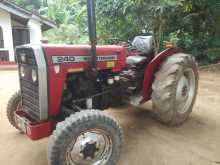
152	69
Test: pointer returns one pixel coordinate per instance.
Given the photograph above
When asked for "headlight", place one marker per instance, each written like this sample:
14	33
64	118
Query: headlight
22	71
34	75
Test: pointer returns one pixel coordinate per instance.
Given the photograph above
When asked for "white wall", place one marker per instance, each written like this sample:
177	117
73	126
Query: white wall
5	23
35	31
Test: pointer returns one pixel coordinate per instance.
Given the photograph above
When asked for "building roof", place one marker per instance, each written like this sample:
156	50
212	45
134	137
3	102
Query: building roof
21	13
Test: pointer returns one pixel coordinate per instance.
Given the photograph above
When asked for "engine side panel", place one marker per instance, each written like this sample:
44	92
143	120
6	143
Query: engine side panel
55	90
152	69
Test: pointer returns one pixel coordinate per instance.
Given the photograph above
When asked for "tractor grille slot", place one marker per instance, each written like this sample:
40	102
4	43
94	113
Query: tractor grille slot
30	99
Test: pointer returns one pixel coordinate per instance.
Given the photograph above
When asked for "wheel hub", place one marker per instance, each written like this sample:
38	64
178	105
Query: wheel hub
185	91
89	151
90	148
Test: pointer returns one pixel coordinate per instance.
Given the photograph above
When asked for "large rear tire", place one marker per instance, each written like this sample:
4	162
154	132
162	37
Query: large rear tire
175	88
88	137
13	105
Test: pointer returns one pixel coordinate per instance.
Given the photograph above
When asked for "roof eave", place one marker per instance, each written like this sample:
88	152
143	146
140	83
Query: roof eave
23	13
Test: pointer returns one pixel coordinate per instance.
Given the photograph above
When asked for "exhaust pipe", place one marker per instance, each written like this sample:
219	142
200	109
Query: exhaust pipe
92	31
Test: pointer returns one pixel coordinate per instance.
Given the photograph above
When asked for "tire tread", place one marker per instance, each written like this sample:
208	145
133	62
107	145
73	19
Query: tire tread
12	107
163	85
71	123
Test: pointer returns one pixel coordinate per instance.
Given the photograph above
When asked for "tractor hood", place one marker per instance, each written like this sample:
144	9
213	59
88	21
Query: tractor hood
57	53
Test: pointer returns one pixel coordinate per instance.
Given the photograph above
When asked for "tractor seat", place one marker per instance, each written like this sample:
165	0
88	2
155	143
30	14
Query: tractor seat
134	60
143	44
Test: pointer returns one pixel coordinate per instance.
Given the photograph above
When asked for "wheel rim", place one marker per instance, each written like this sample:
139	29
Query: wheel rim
185	91
93	147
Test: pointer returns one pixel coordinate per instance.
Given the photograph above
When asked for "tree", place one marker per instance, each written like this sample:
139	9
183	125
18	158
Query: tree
70	16
129	17
193	24
29	4
199	30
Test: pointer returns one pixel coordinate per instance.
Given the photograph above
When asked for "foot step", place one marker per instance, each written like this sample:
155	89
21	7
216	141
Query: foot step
135	100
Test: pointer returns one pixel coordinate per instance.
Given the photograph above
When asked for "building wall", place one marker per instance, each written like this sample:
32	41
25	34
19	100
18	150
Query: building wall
5	23
35	31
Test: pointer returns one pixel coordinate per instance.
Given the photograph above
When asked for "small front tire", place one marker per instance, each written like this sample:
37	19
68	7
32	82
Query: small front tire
13	105
87	137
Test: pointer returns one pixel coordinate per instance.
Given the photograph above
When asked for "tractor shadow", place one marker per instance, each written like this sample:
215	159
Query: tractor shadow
141	122
141	118
145	138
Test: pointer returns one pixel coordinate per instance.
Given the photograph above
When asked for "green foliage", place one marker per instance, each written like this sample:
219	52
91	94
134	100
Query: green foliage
193	24
197	29
29	4
128	18
70	16
68	34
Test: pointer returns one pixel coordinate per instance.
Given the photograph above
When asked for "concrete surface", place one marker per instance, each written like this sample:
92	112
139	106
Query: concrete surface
147	142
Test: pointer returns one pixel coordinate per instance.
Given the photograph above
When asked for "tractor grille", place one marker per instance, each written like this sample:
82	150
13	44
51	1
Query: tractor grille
29	89
30	99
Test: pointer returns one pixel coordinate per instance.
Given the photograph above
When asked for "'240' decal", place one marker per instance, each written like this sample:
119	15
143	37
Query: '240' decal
74	59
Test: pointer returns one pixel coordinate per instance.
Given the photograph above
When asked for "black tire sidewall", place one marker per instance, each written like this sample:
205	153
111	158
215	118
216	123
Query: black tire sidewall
181	117
70	134
164	97
12	106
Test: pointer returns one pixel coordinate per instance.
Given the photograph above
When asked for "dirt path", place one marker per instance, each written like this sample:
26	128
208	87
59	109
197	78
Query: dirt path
147	142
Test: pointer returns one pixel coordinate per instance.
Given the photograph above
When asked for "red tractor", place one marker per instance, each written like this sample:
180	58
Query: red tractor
63	90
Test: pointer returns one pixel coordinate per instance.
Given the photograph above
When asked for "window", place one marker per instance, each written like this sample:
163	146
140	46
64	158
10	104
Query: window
1	38
21	36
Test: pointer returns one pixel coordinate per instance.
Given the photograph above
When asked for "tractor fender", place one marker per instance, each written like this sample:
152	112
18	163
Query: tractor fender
152	68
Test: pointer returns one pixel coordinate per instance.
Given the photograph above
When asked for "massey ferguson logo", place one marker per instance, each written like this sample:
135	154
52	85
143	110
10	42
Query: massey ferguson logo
74	59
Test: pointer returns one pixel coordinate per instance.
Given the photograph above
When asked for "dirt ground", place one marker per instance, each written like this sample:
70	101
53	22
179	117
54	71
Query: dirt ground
147	142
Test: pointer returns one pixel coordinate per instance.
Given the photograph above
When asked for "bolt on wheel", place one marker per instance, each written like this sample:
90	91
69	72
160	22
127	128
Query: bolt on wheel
92	147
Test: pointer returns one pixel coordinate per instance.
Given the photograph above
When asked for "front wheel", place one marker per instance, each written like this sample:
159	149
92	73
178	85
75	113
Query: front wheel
175	89
86	138
14	104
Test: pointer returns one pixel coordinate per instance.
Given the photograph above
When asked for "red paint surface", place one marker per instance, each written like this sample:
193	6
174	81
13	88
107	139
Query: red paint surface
39	131
36	131
152	69
7	63
56	81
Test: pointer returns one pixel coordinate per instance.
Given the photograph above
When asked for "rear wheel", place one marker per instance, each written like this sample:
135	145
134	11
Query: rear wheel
86	138
13	105
175	89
